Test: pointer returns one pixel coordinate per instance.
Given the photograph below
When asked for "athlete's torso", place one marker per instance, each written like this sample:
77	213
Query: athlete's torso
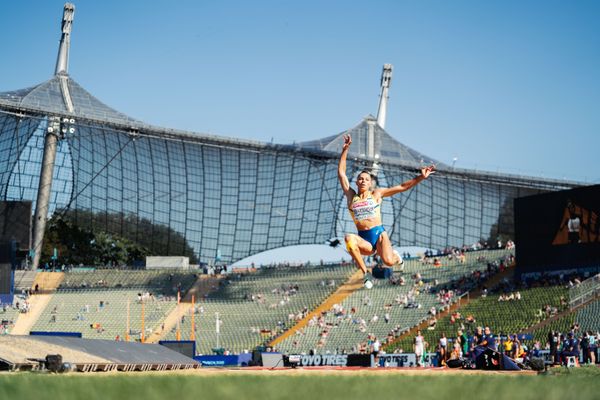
366	211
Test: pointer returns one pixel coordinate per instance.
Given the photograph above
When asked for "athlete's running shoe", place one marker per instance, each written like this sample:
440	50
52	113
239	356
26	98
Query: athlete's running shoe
368	282
399	265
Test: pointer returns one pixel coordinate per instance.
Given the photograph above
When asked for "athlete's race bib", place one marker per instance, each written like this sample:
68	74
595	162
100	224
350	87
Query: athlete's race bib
364	209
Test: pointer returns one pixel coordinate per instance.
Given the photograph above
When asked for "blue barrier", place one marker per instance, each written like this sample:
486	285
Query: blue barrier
64	334
6	299
406	360
244	359
218	361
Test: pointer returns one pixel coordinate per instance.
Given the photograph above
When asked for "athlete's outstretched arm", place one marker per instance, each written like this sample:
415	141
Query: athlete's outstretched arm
342	165
425	173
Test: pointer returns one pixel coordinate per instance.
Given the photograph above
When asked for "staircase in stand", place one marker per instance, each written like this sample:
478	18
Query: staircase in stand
353	283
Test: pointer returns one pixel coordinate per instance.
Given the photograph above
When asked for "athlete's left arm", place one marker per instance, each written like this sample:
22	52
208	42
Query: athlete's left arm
425	173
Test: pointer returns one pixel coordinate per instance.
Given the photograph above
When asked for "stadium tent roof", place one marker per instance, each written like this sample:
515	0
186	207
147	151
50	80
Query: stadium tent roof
49	96
386	147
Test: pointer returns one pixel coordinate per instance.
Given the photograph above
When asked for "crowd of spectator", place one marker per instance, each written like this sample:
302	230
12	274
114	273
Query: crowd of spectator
8	311
445	295
580	345
540	280
458	252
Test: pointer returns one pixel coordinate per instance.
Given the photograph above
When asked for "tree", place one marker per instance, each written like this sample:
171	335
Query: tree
84	237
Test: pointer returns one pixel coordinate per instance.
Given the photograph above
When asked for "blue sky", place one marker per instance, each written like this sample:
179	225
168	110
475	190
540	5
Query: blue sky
509	86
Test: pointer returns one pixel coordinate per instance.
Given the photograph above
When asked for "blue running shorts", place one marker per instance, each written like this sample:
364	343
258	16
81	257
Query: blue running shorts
372	235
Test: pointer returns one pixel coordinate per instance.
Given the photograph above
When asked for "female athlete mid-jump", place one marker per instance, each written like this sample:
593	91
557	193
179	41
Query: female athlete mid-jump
365	209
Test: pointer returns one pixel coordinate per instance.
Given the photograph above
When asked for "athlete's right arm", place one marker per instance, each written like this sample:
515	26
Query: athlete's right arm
342	165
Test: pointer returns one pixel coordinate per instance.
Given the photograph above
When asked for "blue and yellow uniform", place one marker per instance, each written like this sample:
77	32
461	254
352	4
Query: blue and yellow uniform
367	208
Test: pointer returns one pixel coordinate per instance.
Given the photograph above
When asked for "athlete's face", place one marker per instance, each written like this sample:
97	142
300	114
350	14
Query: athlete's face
363	182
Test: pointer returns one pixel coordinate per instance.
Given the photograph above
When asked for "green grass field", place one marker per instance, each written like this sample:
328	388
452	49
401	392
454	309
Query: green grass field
581	383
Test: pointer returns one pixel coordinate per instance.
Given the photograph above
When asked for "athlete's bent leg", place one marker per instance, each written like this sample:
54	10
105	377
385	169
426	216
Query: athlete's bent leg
387	253
357	247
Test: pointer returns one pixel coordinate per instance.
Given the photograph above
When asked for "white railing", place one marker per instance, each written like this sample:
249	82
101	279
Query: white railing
584	291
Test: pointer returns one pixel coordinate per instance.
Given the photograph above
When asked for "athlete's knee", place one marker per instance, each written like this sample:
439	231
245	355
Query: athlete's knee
389	261
350	242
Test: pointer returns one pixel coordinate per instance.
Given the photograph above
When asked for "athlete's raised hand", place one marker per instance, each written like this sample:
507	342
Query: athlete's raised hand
426	171
347	142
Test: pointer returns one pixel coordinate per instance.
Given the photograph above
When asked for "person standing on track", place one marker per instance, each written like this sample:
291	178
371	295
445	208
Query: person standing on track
365	209
419	346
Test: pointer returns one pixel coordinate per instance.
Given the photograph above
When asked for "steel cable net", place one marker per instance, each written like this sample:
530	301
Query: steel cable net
181	195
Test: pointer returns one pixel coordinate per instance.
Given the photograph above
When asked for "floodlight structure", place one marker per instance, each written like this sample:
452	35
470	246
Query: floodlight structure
384	97
56	126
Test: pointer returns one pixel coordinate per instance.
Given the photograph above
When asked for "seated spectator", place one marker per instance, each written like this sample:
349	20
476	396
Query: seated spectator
570	347
432	324
519	350
456	353
563	302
